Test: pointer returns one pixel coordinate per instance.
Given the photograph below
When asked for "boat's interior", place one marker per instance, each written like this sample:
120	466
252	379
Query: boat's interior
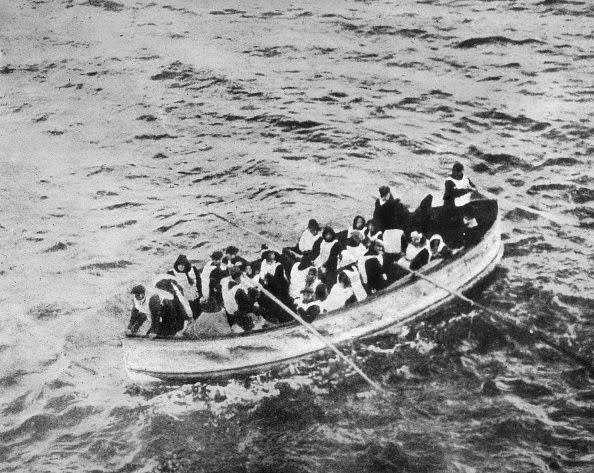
485	213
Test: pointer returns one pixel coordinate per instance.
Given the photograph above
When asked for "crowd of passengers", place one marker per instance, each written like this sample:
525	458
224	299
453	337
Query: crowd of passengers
324	271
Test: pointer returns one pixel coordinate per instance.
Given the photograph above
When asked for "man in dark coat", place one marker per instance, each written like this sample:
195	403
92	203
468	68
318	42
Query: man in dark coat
389	212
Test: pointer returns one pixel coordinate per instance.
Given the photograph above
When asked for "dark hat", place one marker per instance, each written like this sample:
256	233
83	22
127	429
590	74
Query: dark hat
313	223
384	190
217	255
457	167
183	261
139	289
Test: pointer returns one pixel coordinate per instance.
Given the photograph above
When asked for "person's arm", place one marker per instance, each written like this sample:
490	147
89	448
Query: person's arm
136	320
420	260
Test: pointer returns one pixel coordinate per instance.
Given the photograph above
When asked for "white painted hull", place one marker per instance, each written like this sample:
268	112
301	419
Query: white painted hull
406	300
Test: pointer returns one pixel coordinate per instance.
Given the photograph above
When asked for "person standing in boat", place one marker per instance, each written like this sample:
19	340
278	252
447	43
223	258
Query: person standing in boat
458	188
272	278
325	255
211	276
187	277
371	267
390	213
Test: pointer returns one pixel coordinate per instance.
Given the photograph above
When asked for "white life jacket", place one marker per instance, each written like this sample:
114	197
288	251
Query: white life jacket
463	183
355	279
411	253
143	305
229	301
338	297
297	280
205	279
325	249
351	255
307	240
268	268
393	240
361	265
189	288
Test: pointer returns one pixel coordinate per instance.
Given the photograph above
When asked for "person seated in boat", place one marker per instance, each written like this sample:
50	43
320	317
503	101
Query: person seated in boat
309	236
417	252
188	278
358	225
311	303
354	249
182	311
272	278
298	275
458	188
457	194
140	310
438	249
421	217
341	293
325	254
211	276
249	277
239	301
372	231
309	284
389	212
212	323
371	268
471	232
232	257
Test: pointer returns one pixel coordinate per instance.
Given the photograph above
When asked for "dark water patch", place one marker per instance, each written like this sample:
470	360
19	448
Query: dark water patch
107	265
518	215
12	378
291	408
127	223
147	118
55	132
408	65
528	246
227	11
271	51
293	157
515	182
160	156
154	137
285	124
38	427
58	247
535	189
219	176
260	169
15	406
500	118
183	11
70	84
527	390
107	5
100	170
498	162
48	311
105	194
122	205
585	215
560	162
582	195
41	118
490	79
361	56
479	41
165	228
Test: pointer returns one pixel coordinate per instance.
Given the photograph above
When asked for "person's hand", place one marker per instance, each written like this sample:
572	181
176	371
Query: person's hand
152	335
128	333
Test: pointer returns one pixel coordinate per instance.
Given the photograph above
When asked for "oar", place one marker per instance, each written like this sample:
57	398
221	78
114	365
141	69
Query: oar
226	220
327	342
533	333
307	325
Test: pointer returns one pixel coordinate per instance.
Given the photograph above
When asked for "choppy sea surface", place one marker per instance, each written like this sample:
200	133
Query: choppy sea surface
122	124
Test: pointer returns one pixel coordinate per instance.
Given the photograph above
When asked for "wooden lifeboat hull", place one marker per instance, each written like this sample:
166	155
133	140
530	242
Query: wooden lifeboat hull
407	300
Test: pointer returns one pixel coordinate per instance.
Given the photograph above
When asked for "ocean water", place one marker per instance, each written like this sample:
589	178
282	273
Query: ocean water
122	124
